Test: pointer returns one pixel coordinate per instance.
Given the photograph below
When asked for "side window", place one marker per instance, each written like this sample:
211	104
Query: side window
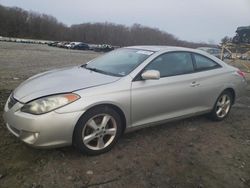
203	63
173	63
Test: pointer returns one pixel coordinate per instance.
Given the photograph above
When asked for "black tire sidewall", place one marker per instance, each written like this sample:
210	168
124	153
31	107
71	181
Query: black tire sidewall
77	135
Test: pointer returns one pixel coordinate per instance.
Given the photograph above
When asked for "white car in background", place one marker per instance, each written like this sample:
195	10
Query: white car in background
72	44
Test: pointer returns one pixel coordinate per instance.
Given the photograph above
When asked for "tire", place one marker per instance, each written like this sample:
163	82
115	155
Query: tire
222	106
97	131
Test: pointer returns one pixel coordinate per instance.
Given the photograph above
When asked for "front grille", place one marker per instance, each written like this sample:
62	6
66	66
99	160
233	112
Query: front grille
12	102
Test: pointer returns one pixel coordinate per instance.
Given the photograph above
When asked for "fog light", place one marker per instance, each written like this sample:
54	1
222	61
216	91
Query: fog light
29	137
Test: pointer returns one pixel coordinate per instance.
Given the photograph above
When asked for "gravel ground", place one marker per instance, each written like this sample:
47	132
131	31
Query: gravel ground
195	152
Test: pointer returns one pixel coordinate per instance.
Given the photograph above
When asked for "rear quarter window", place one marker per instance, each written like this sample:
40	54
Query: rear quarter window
204	63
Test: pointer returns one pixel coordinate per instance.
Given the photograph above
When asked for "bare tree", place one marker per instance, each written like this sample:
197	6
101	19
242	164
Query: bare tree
15	22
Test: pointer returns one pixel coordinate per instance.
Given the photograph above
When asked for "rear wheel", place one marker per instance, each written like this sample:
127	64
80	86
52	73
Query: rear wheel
222	106
97	131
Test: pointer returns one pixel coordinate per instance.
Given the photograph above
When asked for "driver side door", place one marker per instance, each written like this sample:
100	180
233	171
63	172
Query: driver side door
173	95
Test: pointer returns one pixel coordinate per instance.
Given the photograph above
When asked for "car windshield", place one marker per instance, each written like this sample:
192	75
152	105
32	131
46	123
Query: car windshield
118	62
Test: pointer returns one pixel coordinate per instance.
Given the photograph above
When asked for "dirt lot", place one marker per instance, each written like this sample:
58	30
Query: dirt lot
195	152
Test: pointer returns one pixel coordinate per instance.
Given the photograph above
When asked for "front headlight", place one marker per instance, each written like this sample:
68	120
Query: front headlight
50	103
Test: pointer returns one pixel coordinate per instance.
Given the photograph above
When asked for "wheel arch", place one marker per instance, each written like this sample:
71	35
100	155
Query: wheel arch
114	107
232	91
121	114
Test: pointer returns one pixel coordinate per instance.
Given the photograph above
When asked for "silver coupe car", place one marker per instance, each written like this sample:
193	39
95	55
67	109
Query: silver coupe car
92	105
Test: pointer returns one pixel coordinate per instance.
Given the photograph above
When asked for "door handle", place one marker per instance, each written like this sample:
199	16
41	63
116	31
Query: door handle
194	84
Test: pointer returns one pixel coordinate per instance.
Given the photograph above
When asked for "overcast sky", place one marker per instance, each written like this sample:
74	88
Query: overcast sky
192	20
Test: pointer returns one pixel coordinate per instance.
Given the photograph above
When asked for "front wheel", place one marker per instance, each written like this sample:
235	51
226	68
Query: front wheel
222	106
97	131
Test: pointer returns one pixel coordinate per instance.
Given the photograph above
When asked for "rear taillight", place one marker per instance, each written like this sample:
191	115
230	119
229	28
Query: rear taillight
241	74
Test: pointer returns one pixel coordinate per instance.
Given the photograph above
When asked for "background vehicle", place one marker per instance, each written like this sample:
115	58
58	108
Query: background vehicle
80	46
71	44
243	35
62	44
103	48
53	44
213	51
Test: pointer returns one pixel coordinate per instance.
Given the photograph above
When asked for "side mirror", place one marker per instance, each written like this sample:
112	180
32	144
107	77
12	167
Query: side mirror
151	75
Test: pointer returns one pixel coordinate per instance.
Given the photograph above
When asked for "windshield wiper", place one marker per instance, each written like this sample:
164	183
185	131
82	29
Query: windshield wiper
93	69
101	71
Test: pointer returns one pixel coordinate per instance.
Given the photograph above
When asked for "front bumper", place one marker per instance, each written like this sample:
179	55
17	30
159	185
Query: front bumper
43	131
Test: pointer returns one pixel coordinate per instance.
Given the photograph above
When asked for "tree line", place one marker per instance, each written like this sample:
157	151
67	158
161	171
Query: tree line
16	22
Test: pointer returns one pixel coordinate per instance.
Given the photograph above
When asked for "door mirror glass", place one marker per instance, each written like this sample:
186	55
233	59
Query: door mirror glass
151	75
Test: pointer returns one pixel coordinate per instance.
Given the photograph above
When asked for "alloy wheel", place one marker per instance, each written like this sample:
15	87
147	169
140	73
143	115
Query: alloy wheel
223	106
99	132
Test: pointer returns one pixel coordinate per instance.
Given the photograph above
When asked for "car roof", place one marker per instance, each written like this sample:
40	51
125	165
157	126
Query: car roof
207	48
161	48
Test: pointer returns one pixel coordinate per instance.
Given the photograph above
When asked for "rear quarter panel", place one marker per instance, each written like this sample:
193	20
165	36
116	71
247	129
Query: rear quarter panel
214	82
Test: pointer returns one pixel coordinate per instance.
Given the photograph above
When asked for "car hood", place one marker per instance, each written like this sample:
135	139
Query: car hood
60	81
